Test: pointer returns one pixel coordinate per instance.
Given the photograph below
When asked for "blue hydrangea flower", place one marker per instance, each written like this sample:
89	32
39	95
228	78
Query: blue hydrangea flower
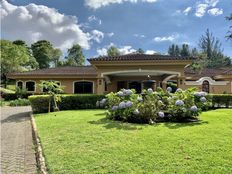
178	90
161	114
194	108
136	112
122	105
120	94
140	99
129	104
202	93
103	101
179	103
203	99
114	108
127	92
169	89
149	90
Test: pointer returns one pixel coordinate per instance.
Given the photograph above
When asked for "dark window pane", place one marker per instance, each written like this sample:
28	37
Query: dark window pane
136	86
83	87
30	86
20	85
121	85
205	86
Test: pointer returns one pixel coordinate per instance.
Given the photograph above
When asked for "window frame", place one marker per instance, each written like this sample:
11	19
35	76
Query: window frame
93	84
34	85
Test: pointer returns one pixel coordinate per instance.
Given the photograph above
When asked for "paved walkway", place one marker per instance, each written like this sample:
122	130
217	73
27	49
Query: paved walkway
17	151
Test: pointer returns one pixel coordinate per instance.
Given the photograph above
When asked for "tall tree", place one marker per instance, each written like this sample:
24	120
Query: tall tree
56	54
140	51
185	50
13	58
177	50
32	63
76	55
42	51
171	50
229	18
113	51
211	46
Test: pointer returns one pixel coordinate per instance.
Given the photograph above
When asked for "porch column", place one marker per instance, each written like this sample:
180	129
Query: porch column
100	86
180	82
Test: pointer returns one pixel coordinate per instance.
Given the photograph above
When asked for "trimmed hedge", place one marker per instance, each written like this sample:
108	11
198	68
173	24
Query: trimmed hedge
221	100
14	96
39	103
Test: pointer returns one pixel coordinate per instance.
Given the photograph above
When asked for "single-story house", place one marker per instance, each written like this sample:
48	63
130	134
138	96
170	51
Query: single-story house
134	71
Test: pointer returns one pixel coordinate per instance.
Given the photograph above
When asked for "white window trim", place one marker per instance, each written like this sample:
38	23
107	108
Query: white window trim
30	81
17	84
209	79
84	81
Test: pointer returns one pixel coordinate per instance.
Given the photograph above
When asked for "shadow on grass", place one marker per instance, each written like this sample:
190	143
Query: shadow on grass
175	125
111	124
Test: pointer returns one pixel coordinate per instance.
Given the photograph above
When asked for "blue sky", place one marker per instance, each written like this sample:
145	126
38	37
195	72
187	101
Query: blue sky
152	25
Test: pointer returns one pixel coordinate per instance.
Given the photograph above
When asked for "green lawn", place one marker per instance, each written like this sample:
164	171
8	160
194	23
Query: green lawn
86	142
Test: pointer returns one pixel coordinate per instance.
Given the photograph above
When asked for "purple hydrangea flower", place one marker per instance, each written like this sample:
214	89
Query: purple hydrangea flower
129	104
178	90
122	105
169	89
179	103
114	108
203	99
202	93
194	108
149	90
127	92
161	114
140	99
103	101
120	94
136	112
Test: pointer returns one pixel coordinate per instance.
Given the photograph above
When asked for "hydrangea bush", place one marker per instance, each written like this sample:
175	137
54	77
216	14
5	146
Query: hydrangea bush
152	106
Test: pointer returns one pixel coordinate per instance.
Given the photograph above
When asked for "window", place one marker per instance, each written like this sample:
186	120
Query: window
121	85
135	85
83	87
106	89
20	85
205	86
30	86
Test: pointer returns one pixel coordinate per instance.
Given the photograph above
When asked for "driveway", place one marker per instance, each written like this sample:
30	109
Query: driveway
17	151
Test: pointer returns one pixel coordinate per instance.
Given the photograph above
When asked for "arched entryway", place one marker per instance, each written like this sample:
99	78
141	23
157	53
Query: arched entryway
83	87
205	86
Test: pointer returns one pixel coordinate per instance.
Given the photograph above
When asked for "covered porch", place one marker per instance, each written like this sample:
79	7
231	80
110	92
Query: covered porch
139	79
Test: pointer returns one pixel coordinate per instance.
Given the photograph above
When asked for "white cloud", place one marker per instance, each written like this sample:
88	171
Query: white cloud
96	36
95	4
187	10
126	50
150	52
202	7
34	22
139	35
110	34
165	38
215	11
93	18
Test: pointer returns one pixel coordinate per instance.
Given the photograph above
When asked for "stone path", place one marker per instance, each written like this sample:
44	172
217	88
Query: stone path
17	150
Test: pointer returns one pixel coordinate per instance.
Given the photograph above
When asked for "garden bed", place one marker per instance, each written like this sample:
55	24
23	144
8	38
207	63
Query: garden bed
86	141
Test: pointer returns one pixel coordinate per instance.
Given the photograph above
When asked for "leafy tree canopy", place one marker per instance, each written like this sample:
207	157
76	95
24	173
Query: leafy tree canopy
75	55
113	51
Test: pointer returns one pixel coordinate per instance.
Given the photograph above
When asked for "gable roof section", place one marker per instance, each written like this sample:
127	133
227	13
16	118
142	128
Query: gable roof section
60	71
137	57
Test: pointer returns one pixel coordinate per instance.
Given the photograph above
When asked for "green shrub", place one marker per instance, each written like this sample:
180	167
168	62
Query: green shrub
39	103
20	102
221	100
151	106
14	96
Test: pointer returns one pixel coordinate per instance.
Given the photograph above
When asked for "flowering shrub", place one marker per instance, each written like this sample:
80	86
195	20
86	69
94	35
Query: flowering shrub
152	106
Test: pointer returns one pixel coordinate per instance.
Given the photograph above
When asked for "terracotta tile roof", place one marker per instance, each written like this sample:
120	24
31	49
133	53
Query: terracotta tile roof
135	57
68	70
209	72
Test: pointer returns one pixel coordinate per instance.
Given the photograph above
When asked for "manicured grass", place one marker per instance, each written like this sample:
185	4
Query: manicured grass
86	142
